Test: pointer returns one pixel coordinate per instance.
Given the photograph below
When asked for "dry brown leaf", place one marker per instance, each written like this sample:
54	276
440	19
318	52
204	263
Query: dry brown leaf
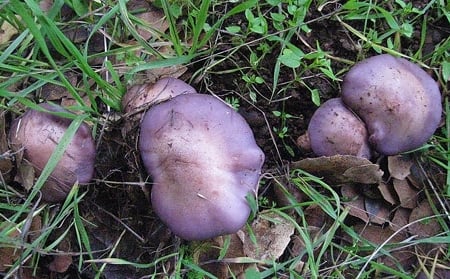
60	263
272	237
355	202
284	194
425	228
378	235
52	92
5	158
341	169
400	219
400	166
8	255
156	23
45	5
435	273
152	17
7	31
377	210
407	195
316	217
62	260
207	252
25	175
387	192
303	142
417	178
69	101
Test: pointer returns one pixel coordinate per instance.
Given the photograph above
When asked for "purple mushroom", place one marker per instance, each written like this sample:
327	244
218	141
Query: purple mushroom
204	161
38	133
334	129
399	102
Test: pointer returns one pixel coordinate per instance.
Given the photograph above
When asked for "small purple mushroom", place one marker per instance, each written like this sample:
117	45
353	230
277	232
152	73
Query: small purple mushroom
335	130
38	133
399	102
204	161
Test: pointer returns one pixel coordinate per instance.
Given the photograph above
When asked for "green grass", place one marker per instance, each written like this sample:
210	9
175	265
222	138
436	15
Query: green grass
251	47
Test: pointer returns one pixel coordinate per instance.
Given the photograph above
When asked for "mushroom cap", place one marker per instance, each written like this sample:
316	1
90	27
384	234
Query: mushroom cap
141	95
38	133
399	102
204	161
335	130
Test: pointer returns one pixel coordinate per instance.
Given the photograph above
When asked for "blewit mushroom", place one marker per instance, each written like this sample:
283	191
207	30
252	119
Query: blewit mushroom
398	101
335	130
204	161
38	133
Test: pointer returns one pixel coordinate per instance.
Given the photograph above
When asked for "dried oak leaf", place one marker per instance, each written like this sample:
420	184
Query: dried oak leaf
379	235
5	158
435	273
400	166
387	192
153	19
63	260
272	234
354	202
339	169
427	227
207	252
9	254
407	195
377	210
400	219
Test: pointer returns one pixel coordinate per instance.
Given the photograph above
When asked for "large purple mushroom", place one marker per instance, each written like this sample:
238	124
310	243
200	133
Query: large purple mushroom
204	161
38	133
334	129
399	102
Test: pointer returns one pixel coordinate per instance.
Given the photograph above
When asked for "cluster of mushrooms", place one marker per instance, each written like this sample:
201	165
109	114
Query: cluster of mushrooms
202	155
388	106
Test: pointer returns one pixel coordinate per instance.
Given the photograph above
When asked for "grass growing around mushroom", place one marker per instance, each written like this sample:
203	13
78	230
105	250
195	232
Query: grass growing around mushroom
275	62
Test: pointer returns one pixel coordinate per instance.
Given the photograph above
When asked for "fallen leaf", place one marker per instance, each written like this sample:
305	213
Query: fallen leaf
377	210
400	166
7	31
378	235
435	273
5	157
408	196
52	92
153	19
354	202
287	194
316	217
341	169
387	192
303	142
400	219
217	255
25	175
9	253
272	234
63	259
425	228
